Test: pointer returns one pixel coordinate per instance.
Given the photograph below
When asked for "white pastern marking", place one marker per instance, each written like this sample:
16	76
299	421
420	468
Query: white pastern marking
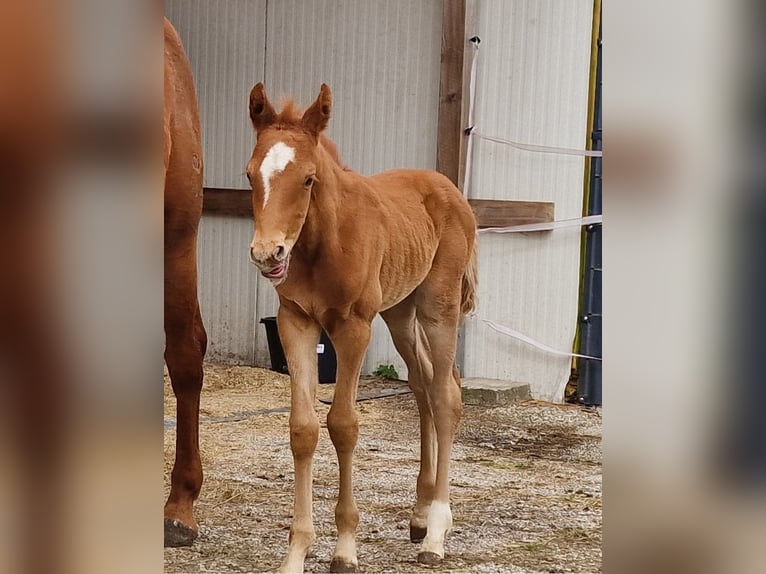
346	549
439	522
276	161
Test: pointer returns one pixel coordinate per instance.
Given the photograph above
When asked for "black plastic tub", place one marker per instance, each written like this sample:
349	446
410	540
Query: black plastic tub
326	360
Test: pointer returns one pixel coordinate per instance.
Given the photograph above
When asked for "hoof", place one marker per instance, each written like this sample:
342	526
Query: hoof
178	534
417	533
342	565
429	558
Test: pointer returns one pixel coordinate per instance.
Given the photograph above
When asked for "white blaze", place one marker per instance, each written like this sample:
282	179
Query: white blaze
276	161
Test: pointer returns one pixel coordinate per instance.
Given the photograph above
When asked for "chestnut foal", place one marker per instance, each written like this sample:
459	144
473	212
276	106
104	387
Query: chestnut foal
340	248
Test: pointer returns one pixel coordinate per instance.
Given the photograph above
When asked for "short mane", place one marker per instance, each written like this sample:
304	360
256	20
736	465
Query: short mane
291	116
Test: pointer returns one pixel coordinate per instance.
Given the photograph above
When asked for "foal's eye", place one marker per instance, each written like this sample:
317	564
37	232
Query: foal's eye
309	181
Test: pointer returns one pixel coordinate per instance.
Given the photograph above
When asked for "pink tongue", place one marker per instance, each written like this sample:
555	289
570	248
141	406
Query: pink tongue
277	271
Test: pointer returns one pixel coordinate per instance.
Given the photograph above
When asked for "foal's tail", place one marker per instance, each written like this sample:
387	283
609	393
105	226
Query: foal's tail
470	280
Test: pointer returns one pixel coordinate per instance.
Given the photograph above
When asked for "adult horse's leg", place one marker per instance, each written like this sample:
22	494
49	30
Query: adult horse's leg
185	345
299	335
438	310
350	339
410	342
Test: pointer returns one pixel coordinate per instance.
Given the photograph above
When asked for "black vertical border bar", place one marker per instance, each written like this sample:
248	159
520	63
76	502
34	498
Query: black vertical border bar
741	454
589	382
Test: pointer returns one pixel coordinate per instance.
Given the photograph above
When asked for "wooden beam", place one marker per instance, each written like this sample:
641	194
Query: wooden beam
451	89
489	212
501	213
236	202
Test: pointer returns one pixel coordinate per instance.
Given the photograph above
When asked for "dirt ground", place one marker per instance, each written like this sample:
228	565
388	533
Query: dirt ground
526	483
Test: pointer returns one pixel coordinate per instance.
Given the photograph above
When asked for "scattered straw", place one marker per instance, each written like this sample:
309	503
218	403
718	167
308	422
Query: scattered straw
526	484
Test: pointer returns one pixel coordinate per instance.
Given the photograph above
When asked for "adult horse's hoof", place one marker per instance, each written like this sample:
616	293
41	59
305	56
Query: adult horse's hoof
417	533
178	534
342	565
429	558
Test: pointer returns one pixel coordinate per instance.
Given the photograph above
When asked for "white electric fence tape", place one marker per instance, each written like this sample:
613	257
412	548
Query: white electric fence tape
539	148
589	220
472	132
471	100
530	341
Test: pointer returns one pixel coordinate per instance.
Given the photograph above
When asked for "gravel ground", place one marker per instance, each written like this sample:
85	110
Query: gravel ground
526	483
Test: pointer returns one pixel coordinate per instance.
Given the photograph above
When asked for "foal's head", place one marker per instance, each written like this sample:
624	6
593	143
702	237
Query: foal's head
282	172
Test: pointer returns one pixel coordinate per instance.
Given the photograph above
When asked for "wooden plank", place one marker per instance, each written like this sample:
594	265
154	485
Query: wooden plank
451	89
502	213
489	212
236	202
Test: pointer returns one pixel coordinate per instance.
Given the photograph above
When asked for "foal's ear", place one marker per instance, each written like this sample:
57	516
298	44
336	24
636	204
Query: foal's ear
315	118
262	112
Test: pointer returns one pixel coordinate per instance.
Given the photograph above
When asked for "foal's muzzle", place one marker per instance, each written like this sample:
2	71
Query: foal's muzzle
271	262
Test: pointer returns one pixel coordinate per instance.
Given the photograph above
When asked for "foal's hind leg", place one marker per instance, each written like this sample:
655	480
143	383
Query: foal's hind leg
438	310
185	344
410	342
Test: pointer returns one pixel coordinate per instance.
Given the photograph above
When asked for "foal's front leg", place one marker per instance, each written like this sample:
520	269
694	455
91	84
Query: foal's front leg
350	339
299	335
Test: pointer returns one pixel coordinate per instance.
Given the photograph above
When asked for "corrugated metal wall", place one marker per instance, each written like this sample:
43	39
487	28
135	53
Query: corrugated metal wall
381	59
532	87
225	40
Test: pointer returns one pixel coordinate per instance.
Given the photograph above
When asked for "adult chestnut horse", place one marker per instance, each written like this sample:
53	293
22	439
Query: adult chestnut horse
340	248
185	338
